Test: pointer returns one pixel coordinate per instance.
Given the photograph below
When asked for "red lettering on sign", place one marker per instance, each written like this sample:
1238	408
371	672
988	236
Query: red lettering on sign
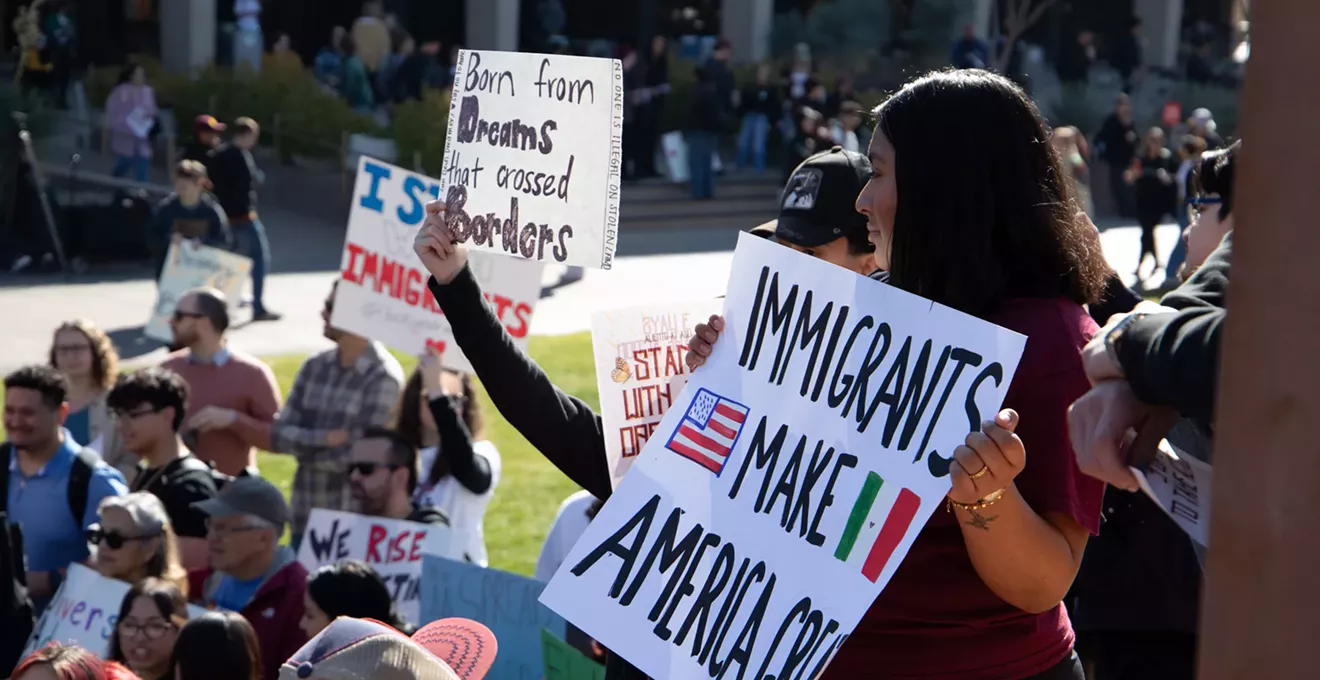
377	536
416	553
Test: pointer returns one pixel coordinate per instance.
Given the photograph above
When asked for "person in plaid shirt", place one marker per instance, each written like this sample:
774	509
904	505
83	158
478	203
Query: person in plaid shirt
336	395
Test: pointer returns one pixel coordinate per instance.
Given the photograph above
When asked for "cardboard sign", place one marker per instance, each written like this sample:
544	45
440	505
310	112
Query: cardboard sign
84	612
189	265
506	603
382	292
787	482
1180	484
392	547
562	662
640	370
533	156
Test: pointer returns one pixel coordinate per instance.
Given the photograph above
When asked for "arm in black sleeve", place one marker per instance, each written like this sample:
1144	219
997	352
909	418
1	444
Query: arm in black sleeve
562	427
1173	359
1117	299
471	470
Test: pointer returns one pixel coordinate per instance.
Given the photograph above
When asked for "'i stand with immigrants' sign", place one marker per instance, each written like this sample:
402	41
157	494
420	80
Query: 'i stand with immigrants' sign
533	156
786	483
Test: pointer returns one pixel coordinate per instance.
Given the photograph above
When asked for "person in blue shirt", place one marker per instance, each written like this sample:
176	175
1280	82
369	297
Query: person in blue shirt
40	458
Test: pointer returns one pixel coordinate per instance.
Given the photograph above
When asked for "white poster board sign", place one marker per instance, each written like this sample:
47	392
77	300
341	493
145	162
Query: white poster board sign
84	612
783	478
392	547
1180	484
534	154
382	292
189	265
640	370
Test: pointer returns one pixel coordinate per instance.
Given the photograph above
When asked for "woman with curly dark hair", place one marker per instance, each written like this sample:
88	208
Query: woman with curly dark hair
84	354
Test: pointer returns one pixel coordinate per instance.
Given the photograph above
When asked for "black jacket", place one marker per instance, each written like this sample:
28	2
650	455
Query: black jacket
562	427
236	178
1172	359
16	614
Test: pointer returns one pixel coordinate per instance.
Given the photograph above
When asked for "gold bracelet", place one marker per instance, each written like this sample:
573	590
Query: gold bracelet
984	502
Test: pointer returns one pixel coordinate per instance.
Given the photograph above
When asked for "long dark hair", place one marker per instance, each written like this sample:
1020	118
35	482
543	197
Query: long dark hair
985	210
351	588
217	646
169	602
1214	175
408	420
126	73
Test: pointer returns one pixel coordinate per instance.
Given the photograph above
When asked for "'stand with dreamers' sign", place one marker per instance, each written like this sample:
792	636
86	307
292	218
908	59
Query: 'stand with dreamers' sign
382	292
392	547
640	371
533	156
787	482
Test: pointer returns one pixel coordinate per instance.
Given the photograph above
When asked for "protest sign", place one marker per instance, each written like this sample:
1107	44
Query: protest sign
788	480
189	265
640	370
84	612
533	156
503	602
393	547
382	293
1180	484
562	662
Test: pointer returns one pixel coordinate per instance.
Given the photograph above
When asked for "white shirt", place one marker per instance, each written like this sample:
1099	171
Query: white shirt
466	510
570	523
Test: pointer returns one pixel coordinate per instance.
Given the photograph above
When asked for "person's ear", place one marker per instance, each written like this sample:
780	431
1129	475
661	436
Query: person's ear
63	412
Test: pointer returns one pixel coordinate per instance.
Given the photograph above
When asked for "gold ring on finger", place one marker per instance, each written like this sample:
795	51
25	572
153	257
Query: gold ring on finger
979	473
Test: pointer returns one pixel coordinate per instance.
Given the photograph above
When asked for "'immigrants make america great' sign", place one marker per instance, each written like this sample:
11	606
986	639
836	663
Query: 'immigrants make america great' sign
533	156
786	483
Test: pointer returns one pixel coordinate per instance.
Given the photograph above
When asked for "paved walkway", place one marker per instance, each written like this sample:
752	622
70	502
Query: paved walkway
122	306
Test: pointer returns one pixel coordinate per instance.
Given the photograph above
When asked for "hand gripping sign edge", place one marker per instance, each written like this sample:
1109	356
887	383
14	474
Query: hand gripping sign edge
709	430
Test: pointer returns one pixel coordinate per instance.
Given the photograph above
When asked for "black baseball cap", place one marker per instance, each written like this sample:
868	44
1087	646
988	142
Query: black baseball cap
819	201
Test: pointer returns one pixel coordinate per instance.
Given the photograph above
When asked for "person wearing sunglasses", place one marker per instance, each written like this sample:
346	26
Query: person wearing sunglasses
439	414
233	397
134	540
150	617
382	475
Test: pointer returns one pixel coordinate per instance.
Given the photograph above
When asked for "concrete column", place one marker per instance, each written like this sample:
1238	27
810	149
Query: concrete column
1161	27
746	23
492	25
187	34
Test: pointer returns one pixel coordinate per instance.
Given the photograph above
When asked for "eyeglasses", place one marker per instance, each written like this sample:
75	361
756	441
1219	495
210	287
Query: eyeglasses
115	540
1198	204
153	630
369	469
180	315
134	415
228	530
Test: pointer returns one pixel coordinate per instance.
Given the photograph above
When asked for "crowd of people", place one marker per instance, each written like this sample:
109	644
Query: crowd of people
151	477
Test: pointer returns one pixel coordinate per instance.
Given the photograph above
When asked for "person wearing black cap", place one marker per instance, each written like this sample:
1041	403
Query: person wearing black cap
817	213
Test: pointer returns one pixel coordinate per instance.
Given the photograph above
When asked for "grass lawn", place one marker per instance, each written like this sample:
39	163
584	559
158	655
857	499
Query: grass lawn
530	489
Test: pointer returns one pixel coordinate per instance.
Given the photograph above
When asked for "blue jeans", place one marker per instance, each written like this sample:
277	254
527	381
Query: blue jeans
701	154
250	241
1179	254
751	140
138	164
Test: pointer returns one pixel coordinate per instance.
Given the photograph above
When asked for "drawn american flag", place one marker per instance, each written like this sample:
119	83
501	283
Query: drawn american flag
708	430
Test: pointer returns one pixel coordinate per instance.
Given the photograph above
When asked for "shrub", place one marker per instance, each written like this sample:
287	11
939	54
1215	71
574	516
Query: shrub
297	114
419	128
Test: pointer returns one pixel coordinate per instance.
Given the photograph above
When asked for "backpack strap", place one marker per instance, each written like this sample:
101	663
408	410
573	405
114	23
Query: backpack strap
6	452
80	481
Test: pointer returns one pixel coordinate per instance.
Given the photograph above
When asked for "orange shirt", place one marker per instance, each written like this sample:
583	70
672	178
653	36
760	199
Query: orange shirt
232	380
